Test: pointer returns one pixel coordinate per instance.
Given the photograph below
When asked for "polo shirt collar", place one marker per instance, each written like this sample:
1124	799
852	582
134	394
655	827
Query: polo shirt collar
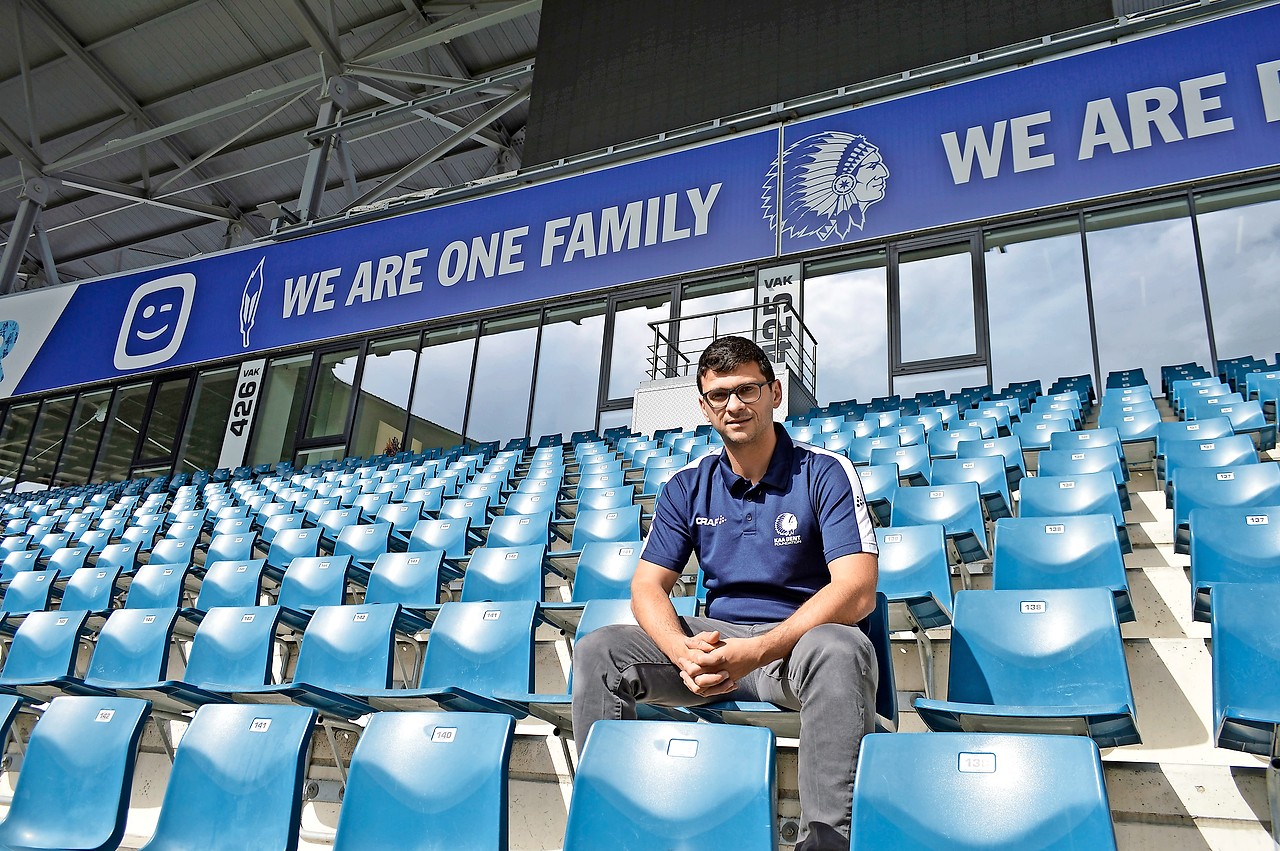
776	476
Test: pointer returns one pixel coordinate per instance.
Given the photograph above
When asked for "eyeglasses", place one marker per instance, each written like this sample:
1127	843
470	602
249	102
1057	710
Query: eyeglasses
718	397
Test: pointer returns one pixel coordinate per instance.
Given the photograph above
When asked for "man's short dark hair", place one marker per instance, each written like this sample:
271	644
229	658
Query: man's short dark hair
728	353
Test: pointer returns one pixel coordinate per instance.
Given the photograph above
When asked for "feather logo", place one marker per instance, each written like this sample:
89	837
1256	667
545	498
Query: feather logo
828	182
249	301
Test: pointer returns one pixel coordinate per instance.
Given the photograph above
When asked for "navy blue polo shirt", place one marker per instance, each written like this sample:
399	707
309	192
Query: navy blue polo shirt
763	548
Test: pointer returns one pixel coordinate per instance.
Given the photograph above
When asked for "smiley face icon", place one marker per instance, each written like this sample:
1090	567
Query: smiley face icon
155	322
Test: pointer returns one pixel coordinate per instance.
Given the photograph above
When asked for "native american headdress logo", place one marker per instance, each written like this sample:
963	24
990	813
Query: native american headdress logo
828	182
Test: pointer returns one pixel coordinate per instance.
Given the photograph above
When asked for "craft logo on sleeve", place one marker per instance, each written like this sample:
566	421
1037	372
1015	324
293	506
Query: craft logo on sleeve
828	180
155	321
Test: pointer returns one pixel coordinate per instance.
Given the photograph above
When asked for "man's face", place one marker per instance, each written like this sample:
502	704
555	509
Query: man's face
738	422
869	179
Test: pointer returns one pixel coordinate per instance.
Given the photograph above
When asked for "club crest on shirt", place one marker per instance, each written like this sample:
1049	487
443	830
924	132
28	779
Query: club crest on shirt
786	526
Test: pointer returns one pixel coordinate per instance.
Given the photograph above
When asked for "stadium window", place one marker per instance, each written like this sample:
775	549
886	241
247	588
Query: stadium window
382	407
1037	303
1147	304
846	311
207	416
82	441
332	395
568	379
725	297
283	393
164	416
124	424
46	440
440	390
14	436
630	353
499	407
1240	244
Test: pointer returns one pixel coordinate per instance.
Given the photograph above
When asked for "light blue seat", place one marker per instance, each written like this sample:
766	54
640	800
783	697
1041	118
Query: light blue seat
1246	692
1169	433
943	444
21	561
604	572
1246	418
622	792
311	582
980	792
77	775
1009	448
475	651
1220	487
91	589
1238	545
1086	493
346	651
520	530
362	544
1078	551
1038	435
957	508
232	649
228	583
158	586
43	655
859	449
912	462
428	781
288	545
1048	661
1134	427
133	646
914	574
529	502
987	472
412	580
401	517
231	547
66	560
332	522
1229	451
607	525
449	535
879	485
504	573
28	592
236	781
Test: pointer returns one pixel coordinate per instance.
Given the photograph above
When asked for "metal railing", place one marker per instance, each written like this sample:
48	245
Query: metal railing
775	325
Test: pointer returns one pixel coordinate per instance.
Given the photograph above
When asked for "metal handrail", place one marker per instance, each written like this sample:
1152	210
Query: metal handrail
775	325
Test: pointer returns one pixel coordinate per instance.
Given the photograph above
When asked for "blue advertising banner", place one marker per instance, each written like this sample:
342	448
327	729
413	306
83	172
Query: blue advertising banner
1190	103
688	210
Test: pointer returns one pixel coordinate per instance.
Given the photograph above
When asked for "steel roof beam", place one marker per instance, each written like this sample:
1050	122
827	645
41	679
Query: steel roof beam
442	32
99	186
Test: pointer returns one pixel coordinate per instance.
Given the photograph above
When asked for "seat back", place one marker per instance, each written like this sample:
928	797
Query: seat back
1245	646
349	649
411	579
446	534
133	647
232	761
64	560
91	589
77	775
231	583
28	592
314	581
1085	493
231	547
520	530
608	524
45	646
622	792
363	543
157	585
978	791
1058	552
290	544
605	569
439	777
504	573
914	570
232	648
482	647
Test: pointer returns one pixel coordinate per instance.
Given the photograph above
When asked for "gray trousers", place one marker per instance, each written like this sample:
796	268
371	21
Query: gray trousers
830	677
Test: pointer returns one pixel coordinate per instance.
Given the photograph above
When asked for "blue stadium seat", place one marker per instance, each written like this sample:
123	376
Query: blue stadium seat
28	592
133	646
422	781
232	547
607	525
1048	661
475	650
980	791
912	462
914	573
228	583
604	572
1246	692
1239	545
67	560
621	793
91	589
1229	451
879	485
362	544
232	761
43	651
346	651
520	530
1086	493
504	573
987	472
1036	436
77	775
1078	551
158	586
1220	487
1168	433
1009	448
289	544
412	580
957	508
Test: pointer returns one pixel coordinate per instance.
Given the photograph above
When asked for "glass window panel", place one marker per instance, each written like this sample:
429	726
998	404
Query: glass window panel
124	424
948	381
568	369
440	390
1037	304
46	440
1147	305
166	417
847	313
504	373
935	303
283	392
1240	244
207	419
382	407
13	440
613	419
331	399
629	360
720	297
82	443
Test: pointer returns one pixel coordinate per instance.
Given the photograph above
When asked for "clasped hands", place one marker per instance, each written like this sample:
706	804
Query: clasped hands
710	666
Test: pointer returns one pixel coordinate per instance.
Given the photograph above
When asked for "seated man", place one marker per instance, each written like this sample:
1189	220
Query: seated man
782	533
